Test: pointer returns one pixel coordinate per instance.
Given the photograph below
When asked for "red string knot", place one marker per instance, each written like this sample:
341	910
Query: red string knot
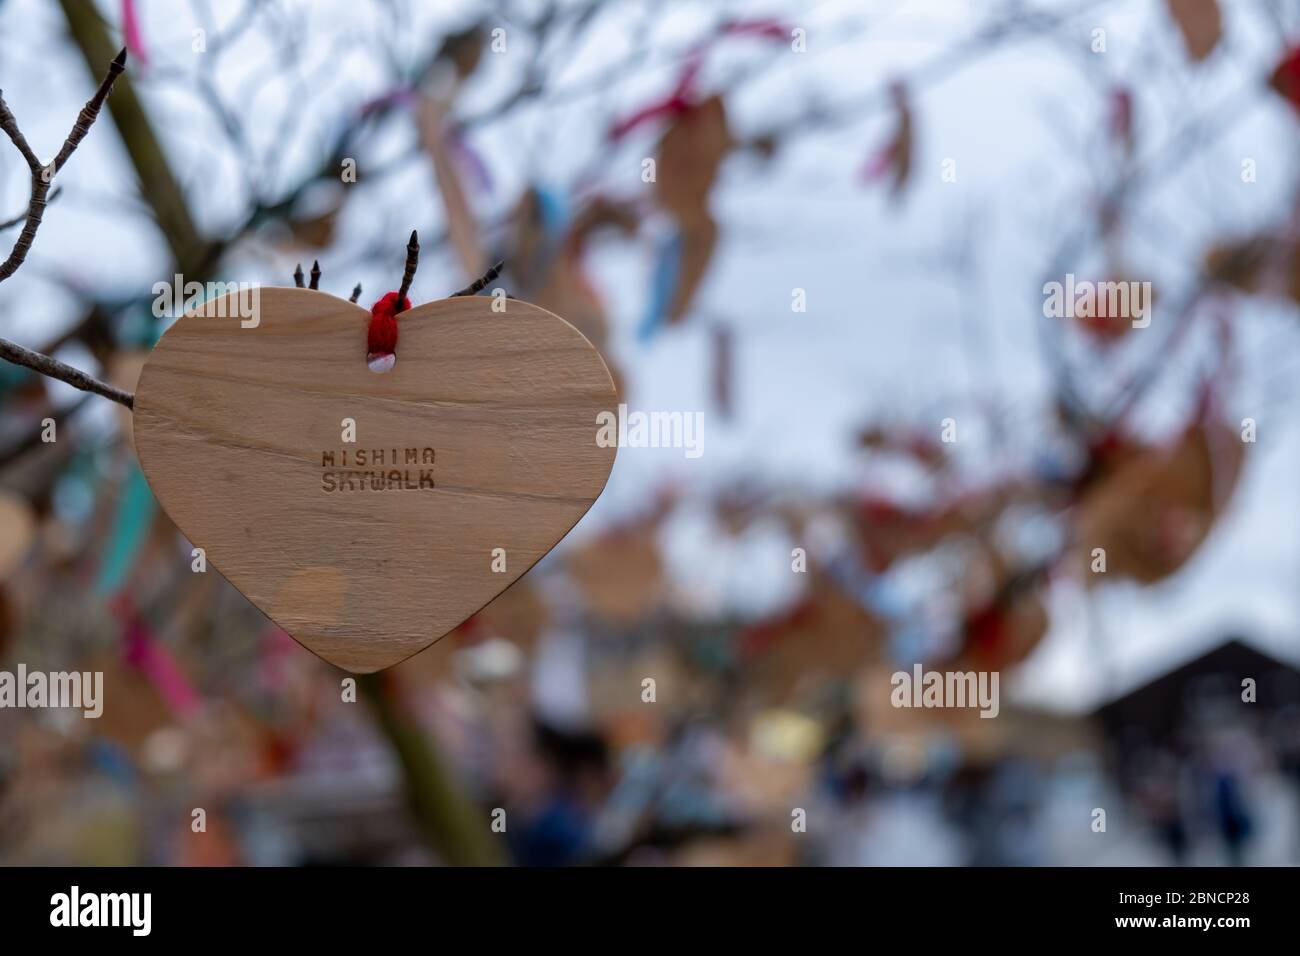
381	338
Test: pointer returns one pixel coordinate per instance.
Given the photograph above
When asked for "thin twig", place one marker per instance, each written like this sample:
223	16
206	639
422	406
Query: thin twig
412	263
55	193
481	283
315	274
43	176
53	368
9	124
297	277
356	292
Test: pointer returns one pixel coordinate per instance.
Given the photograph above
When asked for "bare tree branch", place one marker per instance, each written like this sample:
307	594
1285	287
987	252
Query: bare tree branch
53	368
481	283
194	255
22	216
412	263
43	176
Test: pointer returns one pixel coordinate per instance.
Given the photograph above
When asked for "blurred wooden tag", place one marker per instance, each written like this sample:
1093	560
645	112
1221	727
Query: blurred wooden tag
1201	24
482	437
17	530
1152	513
620	574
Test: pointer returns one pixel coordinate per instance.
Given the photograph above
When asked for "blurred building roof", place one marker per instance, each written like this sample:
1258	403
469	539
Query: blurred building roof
1160	709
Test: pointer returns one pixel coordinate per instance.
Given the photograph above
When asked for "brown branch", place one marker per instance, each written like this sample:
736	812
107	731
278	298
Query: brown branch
1178	149
10	127
43	176
195	257
22	216
450	821
412	263
481	283
53	368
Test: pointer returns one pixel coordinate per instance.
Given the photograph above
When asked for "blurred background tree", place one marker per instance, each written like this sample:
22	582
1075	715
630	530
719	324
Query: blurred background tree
829	227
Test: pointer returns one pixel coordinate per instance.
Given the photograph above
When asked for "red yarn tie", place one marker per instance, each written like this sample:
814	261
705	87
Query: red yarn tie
381	338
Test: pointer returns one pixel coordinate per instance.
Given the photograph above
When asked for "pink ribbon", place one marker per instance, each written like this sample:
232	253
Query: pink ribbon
157	664
131	32
684	95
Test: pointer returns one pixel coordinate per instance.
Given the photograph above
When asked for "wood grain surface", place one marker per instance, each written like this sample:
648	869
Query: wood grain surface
482	436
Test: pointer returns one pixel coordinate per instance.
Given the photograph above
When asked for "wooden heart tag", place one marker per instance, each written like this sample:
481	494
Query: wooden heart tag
481	437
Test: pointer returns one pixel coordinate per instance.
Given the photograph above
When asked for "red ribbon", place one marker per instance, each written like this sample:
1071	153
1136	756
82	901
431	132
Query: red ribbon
684	95
381	337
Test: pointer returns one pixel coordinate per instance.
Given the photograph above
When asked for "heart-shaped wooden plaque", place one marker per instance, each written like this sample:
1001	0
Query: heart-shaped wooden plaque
482	437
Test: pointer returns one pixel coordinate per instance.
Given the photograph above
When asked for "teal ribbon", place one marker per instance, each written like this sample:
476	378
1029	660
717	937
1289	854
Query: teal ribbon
135	513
